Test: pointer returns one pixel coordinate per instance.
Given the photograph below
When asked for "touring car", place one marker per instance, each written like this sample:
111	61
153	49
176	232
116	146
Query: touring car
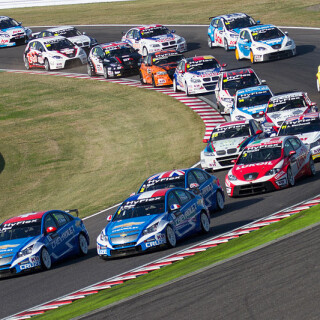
194	179
73	34
197	74
152	219
230	81
53	53
158	68
269	164
307	128
113	59
12	33
251	103
263	43
282	106
152	38
226	142
37	240
224	30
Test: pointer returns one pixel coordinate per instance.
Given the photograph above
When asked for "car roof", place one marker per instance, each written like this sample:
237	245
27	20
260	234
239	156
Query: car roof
231	16
167	174
148	195
253	89
26	217
60	28
232	123
288	95
49	39
200	58
303	116
4	17
148	26
113	45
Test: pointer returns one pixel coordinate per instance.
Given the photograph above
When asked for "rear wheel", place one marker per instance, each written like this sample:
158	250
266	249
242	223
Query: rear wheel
251	57
26	63
47	65
83	245
204	222
105	72
225	44
153	82
45	259
290	177
210	43
174	85
90	71
141	78
171	237
312	168
144	51
219	200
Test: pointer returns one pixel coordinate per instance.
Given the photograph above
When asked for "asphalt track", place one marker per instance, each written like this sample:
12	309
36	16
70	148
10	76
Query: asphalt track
20	293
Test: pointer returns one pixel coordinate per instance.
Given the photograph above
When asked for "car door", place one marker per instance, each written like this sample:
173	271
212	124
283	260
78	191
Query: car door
41	53
292	159
32	54
244	43
180	74
218	33
135	41
301	153
97	58
149	69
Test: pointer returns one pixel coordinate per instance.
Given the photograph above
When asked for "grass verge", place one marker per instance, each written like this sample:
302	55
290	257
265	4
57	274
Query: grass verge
200	260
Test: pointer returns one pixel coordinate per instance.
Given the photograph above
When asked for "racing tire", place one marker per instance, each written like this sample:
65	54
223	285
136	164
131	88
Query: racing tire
105	72
237	54
312	168
46	65
26	63
290	177
45	259
225	44
153	82
144	51
204	222
174	85
219	201
171	237
210	43
141	78
251	57
187	90
90	72
82	244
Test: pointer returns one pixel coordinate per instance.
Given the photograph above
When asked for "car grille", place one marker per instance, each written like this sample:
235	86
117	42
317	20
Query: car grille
126	251
226	161
6	261
280	54
251	176
124	240
129	244
276	46
253	188
210	79
174	46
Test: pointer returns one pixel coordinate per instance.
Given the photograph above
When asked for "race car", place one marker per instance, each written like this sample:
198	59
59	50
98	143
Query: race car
194	179
224	30
53	53
73	34
153	38
197	75
307	128
158	68
12	33
318	79
269	164
251	103
263	43
152	219
226	142
113	59
229	82
37	240
282	106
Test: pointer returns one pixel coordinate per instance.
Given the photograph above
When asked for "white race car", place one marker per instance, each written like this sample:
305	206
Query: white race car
53	53
152	38
197	75
226	142
224	30
263	43
305	127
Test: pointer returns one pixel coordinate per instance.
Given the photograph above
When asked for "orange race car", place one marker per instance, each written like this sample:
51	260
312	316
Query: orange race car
157	68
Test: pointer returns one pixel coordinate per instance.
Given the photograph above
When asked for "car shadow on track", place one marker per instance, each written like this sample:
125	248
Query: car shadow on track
2	162
304	49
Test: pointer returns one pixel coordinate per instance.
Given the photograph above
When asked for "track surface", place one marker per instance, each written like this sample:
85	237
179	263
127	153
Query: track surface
20	293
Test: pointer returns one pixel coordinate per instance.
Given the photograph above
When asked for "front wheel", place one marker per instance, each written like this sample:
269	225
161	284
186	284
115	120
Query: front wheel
46	65
171	237
83	245
219	200
290	177
144	51
174	85
312	168
141	78
105	72
226	45
204	222
153	82
90	72
45	259
26	63
187	90
236	52
252	57
210	43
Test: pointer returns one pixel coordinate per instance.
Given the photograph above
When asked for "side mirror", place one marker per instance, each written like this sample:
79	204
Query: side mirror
292	152
175	207
261	113
224	65
233	161
263	82
173	31
51	230
205	140
109	217
180	71
132	194
259	131
83	33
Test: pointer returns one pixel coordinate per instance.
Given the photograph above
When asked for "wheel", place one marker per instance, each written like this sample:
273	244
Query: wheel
187	90
153	82
91	73
312	168
225	44
45	259
105	72
174	85
141	78
290	177
219	200
47	65
171	237
210	44
26	63
204	222
237	54
251	57
83	245
144	51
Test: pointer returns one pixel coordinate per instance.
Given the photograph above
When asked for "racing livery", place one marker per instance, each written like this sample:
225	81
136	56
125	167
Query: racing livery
307	128
158	68
251	103
224	30
263	43
12	32
269	164
152	38
151	219
194	179
114	59
229	82
53	53
39	239
282	106
197	75
73	34
226	142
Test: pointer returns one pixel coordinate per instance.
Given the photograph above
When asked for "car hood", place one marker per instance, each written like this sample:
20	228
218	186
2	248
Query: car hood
205	73
283	115
253	110
79	39
11	247
168	66
272	42
310	137
163	38
14	30
227	143
235	31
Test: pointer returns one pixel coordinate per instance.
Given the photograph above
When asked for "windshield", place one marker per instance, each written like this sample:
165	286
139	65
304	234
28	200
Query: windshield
8	23
140	208
253	99
165	183
123	51
69	33
19	230
202	65
240	81
286	104
260	154
240	23
267	34
168	59
300	127
59	45
241	130
154	32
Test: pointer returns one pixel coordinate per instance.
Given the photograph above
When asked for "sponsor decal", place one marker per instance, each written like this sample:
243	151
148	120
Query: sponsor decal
66	234
155	243
7	246
129	224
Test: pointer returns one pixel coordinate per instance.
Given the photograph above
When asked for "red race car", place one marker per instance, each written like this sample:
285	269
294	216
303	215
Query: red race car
269	164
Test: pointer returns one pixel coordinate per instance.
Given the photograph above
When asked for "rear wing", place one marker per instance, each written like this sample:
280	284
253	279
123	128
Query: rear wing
73	210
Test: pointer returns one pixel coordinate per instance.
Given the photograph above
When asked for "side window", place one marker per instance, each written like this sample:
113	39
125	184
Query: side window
130	34
287	148
247	36
60	218
242	34
145	60
49	222
220	24
172	199
191	178
200	176
296	143
40	47
184	196
136	34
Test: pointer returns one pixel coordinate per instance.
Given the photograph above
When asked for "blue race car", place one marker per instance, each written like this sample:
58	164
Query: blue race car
151	219
251	103
36	240
12	32
197	180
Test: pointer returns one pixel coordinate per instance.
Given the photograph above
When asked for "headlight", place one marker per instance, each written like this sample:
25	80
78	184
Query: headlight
240	118
155	45
195	80
180	40
272	171
261	49
25	252
4	35
103	237
209	154
79	44
228	100
232	177
57	57
315	144
151	229
289	43
234	35
161	73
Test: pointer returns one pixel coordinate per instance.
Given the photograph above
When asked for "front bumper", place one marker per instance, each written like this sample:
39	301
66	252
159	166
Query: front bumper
277	55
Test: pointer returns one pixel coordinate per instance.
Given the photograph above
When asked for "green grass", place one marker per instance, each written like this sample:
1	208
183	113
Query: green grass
188	265
72	143
285	12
